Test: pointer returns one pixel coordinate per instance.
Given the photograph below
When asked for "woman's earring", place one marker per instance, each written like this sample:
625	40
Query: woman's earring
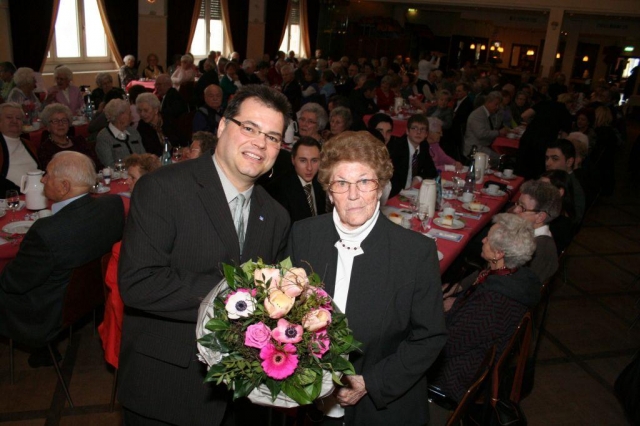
271	174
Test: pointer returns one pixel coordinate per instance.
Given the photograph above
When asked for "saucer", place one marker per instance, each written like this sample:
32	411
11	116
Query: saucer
483	210
457	224
498	193
100	190
502	176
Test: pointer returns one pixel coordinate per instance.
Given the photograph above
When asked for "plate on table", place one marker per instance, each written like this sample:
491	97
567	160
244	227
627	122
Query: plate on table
3	204
502	176
448	197
489	172
440	255
18	227
484	208
447	183
100	190
457	224
498	193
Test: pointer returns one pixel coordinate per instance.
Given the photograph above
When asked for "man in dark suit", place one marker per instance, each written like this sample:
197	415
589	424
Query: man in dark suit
299	191
361	101
290	87
209	77
453	138
185	221
410	156
172	104
81	229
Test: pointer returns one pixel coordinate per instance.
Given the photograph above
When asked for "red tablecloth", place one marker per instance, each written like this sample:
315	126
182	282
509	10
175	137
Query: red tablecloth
504	145
399	125
451	249
36	135
9	250
150	85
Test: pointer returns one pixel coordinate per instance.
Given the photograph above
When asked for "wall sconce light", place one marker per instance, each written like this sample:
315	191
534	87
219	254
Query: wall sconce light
501	49
558	55
472	46
151	1
408	10
492	48
483	47
585	58
530	52
628	49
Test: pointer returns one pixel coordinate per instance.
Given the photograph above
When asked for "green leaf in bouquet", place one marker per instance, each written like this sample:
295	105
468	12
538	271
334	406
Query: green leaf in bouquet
286	263
216	324
274	386
297	393
306	376
313	390
230	275
213	341
242	388
215	372
341	364
336	379
248	268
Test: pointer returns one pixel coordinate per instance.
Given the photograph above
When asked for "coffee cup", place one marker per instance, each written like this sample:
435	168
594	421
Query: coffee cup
44	213
467	197
507	173
448	211
493	189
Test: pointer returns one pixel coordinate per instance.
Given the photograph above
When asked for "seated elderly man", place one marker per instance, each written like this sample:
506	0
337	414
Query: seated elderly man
128	71
172	104
209	77
22	154
539	203
81	229
484	125
208	116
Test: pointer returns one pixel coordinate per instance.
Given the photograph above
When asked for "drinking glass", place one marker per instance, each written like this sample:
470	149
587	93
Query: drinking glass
119	165
12	198
425	221
177	154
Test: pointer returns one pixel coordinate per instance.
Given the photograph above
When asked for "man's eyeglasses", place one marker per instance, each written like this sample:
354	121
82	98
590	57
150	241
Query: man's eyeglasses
363	185
251	130
524	209
418	129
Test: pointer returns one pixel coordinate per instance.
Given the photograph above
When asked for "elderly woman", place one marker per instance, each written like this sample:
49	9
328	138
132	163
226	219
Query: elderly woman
340	120
393	302
152	70
185	73
439	157
118	140
22	154
441	109
138	165
128	72
485	308
104	81
57	118
312	119
24	92
64	92
519	105
153	127
202	143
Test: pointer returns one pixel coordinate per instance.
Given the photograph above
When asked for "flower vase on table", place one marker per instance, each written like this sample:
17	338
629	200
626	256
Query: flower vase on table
272	334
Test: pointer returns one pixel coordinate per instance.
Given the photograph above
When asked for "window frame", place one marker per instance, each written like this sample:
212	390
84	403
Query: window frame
207	22
286	41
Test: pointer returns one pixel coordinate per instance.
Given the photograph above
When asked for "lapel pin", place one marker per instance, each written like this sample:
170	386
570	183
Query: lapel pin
261	219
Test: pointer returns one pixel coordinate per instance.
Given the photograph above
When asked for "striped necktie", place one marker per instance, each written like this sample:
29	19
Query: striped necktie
307	191
414	164
238	219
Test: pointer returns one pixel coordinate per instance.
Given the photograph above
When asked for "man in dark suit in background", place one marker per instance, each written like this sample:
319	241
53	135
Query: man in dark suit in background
185	221
453	139
81	229
290	87
172	104
299	191
410	156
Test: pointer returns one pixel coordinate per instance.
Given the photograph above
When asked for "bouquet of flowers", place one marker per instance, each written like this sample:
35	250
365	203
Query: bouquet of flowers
271	333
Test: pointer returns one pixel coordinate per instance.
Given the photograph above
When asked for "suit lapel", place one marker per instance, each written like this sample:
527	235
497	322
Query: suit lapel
258	216
321	197
215	204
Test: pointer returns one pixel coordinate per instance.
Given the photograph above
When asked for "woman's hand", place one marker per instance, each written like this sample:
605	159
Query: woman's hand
352	392
448	303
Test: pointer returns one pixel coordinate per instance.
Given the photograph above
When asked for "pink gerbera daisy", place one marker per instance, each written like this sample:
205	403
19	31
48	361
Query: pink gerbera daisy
279	363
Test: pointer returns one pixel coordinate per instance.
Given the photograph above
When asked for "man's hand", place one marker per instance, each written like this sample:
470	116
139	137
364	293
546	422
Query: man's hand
352	392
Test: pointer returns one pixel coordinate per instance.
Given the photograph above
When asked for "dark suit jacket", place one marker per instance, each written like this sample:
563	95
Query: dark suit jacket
33	285
293	92
399	153
394	308
288	191
178	234
152	143
173	106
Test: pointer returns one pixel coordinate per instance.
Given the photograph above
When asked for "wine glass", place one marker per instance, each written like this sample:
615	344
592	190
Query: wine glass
177	154
425	220
12	198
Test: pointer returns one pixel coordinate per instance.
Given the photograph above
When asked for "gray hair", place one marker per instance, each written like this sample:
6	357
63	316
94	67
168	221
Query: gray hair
128	58
52	109
321	64
345	113
63	71
75	167
23	76
149	99
287	67
320	113
514	237
13	105
359	76
387	79
186	58
443	93
546	196
493	96
102	77
115	108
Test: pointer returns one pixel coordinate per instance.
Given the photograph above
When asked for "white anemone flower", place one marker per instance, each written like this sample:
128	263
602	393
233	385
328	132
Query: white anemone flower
240	305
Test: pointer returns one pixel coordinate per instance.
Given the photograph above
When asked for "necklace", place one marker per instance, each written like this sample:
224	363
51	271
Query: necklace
67	144
348	247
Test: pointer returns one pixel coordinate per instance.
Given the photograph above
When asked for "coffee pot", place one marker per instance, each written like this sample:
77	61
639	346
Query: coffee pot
33	190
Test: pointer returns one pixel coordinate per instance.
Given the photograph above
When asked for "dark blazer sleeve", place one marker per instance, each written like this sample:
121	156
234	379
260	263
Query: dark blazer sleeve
399	153
31	268
427	168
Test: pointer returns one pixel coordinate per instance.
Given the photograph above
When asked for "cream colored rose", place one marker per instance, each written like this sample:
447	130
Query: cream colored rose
278	304
262	276
316	319
294	282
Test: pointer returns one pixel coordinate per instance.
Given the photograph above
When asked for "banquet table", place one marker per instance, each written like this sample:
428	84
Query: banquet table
150	85
505	145
9	249
451	249
35	136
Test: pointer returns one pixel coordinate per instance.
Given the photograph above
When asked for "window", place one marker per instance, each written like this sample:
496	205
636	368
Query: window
79	35
291	40
209	34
